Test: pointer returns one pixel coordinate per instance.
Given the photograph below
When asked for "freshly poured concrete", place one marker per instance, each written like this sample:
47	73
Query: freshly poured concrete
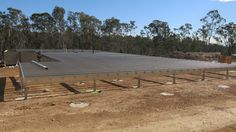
78	63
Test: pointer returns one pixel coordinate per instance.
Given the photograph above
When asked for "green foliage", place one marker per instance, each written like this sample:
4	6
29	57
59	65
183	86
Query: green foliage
79	30
211	22
227	35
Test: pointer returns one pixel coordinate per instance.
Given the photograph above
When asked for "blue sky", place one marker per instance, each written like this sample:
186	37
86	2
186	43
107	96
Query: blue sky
175	12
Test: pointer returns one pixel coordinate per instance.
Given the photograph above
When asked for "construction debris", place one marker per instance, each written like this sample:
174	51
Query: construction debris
46	90
21	98
169	83
80	83
166	94
232	71
134	86
79	105
223	86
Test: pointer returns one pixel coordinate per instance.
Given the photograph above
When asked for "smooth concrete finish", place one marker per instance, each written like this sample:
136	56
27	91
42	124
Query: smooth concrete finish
82	63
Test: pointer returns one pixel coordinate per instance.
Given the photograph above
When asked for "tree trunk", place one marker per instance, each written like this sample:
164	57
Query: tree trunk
229	51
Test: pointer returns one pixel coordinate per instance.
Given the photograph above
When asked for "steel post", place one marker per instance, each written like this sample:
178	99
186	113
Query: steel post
203	75
174	78
227	73
94	86
139	83
25	90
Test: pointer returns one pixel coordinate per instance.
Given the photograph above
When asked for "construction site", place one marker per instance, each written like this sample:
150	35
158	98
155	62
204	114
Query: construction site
56	90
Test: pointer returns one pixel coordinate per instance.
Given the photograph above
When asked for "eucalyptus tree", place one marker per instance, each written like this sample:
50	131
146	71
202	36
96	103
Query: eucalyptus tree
58	15
73	21
202	33
73	30
1	35
128	29
42	22
211	22
142	33
184	31
125	29
112	27
90	28
23	32
146	32
42	26
160	33
11	25
132	27
159	29
228	36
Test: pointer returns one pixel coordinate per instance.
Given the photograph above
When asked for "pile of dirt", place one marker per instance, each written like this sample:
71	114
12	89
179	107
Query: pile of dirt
203	56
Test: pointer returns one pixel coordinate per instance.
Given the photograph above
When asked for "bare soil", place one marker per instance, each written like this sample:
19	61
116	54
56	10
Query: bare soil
195	106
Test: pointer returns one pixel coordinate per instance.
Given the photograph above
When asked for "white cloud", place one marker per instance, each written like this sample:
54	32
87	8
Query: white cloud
225	1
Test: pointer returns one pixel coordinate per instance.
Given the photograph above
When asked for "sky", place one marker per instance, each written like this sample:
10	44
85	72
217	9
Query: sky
175	12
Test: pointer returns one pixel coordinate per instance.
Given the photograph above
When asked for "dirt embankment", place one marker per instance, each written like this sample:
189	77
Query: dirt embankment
203	56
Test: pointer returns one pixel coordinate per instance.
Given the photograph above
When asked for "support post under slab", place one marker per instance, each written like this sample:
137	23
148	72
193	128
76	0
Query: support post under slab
94	90
25	90
174	78
203	75
94	86
227	74
139	82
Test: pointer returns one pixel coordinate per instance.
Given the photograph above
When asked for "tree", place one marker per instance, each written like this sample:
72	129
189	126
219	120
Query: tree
42	24
73	29
58	15
12	23
112	27
80	30
1	35
211	22
127	29
184	31
90	27
203	34
159	29
228	36
132	27
73	21
160	33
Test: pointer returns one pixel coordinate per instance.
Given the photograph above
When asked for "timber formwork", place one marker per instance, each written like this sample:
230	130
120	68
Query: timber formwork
82	66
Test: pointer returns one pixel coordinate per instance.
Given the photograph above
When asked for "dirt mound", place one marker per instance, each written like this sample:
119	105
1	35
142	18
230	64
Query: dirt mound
203	56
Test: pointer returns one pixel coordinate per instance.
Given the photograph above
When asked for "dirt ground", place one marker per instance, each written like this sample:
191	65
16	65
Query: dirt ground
195	105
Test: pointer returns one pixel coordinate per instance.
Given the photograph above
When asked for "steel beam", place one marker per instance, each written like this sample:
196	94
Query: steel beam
22	79
40	65
102	76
